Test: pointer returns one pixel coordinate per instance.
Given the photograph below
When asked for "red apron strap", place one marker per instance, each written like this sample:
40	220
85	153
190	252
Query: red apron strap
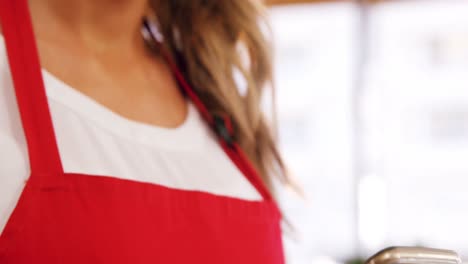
29	86
230	147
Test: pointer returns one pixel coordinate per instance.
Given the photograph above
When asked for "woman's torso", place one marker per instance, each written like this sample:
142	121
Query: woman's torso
94	140
173	204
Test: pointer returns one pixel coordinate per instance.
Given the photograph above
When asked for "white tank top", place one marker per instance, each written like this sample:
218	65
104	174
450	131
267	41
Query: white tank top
96	141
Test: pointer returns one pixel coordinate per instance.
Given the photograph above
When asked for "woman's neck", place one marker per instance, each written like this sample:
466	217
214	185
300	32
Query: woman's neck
89	23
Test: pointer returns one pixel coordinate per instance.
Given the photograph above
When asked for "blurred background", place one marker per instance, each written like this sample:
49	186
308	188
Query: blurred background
373	107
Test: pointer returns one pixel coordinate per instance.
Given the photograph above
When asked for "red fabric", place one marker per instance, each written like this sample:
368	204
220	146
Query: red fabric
74	218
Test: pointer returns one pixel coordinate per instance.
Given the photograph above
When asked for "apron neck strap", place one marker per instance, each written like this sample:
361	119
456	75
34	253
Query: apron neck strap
29	87
221	125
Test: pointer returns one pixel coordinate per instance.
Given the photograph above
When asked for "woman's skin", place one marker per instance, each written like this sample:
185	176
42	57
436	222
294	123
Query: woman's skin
96	47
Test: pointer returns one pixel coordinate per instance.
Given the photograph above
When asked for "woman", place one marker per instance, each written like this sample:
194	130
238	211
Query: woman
110	153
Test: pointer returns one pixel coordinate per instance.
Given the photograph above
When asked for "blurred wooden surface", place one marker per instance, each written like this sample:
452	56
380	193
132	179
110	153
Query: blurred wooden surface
285	2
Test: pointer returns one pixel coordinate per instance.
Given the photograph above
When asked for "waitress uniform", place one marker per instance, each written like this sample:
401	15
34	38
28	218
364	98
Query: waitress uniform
76	218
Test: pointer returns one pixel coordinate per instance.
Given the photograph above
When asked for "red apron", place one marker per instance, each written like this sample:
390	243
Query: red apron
75	218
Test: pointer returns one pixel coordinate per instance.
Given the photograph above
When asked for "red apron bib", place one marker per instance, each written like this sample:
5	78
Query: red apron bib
75	218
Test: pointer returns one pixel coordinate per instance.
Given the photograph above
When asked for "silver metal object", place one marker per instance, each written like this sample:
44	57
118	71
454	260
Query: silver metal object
414	255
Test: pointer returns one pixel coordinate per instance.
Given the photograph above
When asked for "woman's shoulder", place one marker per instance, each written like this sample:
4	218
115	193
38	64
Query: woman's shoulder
13	152
3	53
4	66
8	109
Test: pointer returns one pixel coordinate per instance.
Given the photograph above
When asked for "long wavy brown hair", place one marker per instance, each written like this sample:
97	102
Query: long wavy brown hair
213	39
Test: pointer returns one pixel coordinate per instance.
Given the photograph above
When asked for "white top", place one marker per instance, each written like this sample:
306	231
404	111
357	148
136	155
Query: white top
94	140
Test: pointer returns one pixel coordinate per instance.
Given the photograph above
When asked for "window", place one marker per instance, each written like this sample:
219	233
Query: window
380	148
417	79
314	66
